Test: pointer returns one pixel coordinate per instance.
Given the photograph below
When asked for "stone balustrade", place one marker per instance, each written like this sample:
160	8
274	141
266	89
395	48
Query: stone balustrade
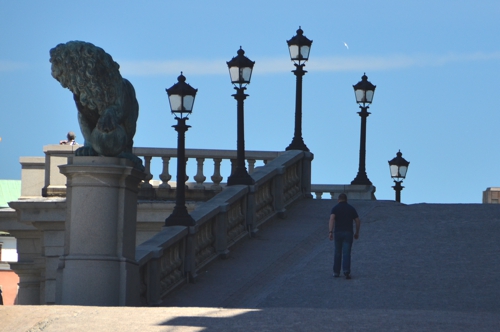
357	191
43	172
176	254
55	182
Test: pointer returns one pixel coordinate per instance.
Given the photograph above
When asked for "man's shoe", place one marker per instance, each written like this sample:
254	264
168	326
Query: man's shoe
348	276
335	275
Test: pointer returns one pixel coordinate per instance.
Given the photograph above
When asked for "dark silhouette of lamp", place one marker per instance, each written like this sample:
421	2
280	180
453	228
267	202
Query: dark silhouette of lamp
299	47
364	92
398	167
181	96
240	71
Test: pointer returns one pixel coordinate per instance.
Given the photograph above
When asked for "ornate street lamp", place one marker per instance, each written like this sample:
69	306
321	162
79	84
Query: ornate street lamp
181	96
240	71
299	47
398	167
363	91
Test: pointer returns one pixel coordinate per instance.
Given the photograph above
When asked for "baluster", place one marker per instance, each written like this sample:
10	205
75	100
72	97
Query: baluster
265	161
319	194
165	176
251	165
199	177
332	194
147	170
216	178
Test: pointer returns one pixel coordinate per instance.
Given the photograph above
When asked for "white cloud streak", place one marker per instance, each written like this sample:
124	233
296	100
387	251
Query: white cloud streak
283	64
318	64
396	61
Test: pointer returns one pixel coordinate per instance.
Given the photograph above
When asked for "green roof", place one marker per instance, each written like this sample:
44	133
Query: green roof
10	190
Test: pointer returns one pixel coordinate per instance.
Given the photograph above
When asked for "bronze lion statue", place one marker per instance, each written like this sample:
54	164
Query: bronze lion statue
106	102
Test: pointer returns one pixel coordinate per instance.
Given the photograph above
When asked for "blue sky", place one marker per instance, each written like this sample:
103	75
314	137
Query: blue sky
435	65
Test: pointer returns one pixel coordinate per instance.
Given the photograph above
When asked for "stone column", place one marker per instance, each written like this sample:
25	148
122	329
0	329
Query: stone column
98	267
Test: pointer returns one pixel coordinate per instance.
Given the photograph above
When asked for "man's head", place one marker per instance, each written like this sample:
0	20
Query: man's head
342	197
71	136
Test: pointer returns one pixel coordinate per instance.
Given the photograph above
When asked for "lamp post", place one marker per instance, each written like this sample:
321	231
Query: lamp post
398	167
240	71
299	47
181	96
363	91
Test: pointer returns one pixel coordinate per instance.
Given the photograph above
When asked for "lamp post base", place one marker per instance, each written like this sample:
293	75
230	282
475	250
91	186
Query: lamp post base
180	217
362	179
240	176
297	144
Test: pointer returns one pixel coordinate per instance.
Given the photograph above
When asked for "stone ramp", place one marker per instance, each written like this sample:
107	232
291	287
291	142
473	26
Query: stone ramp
415	267
411	257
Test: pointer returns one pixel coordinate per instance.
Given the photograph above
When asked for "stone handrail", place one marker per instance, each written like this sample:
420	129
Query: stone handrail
42	172
357	191
55	155
176	254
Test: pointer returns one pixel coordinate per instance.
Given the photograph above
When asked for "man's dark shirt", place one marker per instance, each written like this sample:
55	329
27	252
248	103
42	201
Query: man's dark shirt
344	216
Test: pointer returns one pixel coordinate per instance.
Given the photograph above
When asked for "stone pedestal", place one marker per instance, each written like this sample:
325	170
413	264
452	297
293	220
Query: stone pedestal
98	267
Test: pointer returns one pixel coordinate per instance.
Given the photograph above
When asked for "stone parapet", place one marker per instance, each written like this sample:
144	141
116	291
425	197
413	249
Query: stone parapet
54	183
365	192
176	254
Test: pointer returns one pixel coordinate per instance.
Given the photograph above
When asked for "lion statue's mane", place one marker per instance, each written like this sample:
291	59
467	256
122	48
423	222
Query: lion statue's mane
106	102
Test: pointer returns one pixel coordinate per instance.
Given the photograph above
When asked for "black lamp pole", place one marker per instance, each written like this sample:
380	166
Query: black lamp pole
299	47
180	215
240	70
240	175
181	97
397	188
297	141
364	91
361	177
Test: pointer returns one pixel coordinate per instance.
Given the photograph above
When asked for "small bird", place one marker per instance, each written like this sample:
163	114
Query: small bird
345	44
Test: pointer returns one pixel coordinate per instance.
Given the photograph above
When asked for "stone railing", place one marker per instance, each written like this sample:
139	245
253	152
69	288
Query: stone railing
155	185
353	191
42	172
176	254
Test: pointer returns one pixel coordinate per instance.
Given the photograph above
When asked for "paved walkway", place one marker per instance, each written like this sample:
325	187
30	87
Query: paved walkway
422	267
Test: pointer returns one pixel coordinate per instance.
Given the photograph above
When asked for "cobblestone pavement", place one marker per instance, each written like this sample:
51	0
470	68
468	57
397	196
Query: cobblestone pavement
421	267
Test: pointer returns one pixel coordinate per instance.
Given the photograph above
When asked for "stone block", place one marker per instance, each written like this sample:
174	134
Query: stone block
491	195
32	176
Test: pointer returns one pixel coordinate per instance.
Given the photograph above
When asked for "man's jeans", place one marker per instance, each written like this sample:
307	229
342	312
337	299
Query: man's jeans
343	244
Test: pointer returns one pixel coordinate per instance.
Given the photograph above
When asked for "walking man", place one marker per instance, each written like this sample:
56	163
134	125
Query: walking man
340	226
